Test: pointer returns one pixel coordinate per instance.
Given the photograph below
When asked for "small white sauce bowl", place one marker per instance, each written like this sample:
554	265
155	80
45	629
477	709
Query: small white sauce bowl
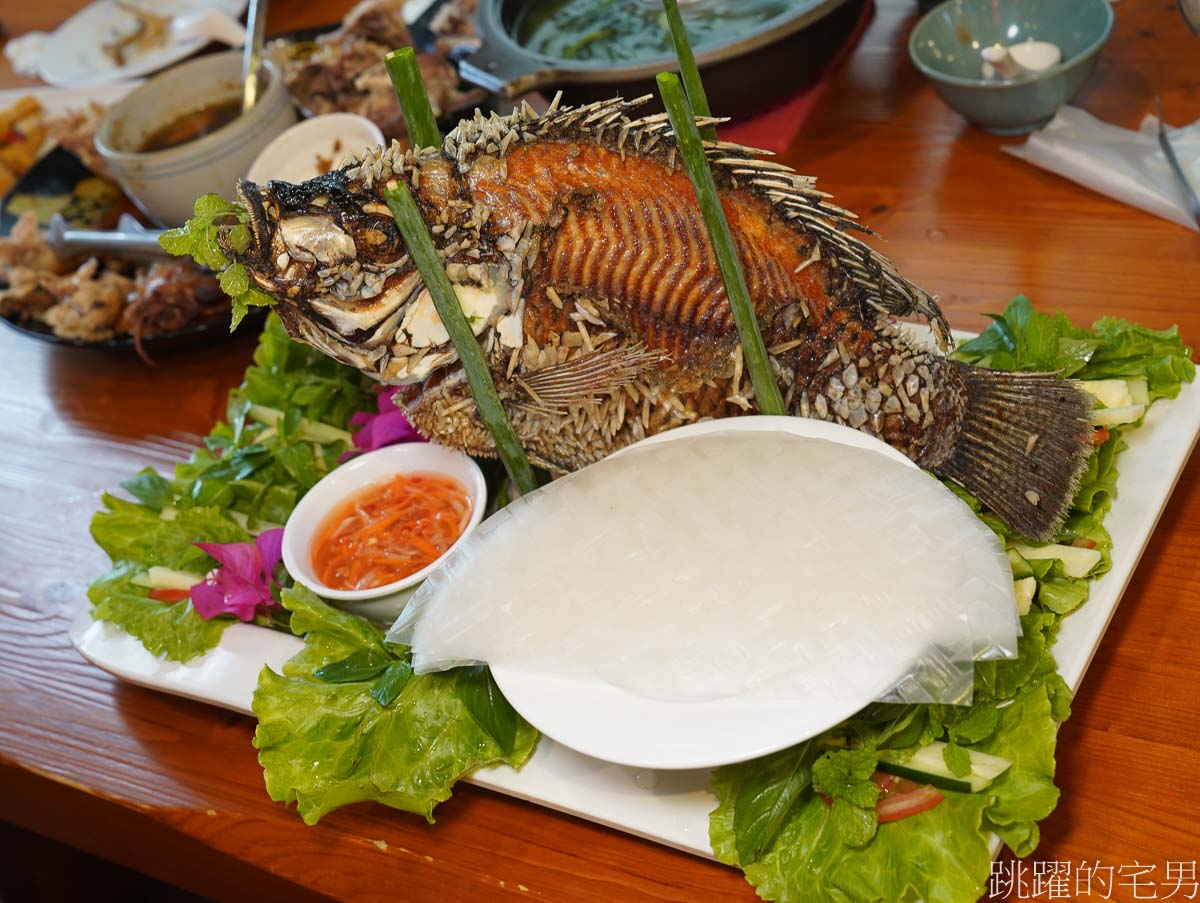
292	156
382	603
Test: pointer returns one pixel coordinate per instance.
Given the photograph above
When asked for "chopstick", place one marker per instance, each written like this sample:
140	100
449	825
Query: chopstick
1189	193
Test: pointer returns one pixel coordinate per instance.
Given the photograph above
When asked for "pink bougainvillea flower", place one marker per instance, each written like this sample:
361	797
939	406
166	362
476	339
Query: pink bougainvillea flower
243	581
388	426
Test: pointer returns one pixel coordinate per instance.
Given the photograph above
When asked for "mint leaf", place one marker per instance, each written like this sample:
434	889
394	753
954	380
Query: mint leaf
234	280
242	303
855	825
846	775
216	225
957	759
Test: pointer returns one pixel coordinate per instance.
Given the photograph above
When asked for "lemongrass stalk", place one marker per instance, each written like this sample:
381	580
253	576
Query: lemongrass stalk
483	390
688	70
691	149
414	101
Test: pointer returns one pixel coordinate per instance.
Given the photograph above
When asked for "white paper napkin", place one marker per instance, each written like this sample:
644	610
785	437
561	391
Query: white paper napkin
25	52
1121	163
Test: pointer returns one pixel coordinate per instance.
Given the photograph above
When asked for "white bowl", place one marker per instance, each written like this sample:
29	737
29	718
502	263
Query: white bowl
292	156
387	601
166	183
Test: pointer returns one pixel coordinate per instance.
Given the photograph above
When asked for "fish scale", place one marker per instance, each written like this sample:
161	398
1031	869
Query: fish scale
580	255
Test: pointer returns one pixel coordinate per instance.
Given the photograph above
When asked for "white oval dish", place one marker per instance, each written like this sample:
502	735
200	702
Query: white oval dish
383	602
292	156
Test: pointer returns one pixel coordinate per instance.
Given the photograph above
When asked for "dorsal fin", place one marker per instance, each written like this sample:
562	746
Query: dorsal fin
610	123
584	378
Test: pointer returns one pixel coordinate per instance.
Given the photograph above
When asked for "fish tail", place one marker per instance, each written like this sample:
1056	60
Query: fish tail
1023	445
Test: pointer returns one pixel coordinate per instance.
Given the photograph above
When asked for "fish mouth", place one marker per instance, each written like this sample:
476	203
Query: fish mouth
251	196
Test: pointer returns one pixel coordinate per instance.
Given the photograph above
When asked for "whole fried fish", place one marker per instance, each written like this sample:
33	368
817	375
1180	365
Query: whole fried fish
577	249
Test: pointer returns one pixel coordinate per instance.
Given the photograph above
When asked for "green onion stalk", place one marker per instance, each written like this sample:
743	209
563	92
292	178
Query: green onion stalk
688	70
691	149
423	130
405	73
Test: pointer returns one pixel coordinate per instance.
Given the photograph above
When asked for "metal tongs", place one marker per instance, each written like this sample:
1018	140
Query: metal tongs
1189	194
130	239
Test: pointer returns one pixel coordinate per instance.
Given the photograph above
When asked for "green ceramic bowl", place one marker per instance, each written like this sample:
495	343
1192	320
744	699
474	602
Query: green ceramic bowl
945	46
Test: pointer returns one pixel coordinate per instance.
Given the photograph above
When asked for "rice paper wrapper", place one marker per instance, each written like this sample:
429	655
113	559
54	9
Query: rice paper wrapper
737	564
1124	164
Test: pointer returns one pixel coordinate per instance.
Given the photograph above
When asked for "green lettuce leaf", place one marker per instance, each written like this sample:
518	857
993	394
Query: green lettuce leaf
170	630
245	478
325	745
940	856
1025	794
128	531
1128	350
1023	339
137	537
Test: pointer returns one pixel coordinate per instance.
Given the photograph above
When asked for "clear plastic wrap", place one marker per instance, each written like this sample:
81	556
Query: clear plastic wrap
1122	163
731	564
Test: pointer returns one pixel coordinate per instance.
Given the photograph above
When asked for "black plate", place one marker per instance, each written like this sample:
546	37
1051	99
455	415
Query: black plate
60	183
199	334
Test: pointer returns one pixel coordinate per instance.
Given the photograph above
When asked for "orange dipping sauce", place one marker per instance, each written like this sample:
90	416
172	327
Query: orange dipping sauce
390	530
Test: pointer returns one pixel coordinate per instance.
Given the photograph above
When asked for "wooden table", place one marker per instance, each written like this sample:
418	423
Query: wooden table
172	788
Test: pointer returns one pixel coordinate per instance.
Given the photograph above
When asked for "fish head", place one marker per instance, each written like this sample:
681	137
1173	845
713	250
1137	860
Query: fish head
330	253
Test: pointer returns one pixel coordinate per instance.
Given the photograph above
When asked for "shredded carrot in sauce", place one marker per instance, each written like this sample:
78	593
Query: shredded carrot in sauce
390	530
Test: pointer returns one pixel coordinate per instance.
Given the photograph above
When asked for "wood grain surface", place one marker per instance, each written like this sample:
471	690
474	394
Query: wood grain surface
173	789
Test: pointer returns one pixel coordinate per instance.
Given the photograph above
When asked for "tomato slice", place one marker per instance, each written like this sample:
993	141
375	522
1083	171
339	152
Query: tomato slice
899	797
170	595
900	805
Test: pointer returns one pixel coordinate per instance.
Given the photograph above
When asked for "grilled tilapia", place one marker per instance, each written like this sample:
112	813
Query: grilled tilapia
577	249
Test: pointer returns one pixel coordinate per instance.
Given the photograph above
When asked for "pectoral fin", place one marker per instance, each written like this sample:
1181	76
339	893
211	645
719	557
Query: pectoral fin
583	379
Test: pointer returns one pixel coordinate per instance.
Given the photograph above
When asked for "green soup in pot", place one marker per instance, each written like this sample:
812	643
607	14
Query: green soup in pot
622	31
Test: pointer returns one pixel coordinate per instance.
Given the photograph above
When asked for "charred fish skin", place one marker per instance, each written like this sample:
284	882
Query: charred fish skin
577	249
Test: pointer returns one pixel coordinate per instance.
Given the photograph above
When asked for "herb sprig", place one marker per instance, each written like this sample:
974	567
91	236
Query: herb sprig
217	225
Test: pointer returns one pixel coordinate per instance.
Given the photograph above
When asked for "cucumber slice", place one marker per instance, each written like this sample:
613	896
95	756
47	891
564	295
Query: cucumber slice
928	766
1139	391
310	430
1020	567
243	521
1113	393
1117	416
1077	562
167	578
1024	590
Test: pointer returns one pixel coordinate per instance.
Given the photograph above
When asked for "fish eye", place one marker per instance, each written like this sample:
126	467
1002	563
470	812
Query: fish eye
378	240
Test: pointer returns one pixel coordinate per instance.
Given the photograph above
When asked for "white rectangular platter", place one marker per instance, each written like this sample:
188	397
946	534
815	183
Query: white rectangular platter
672	807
